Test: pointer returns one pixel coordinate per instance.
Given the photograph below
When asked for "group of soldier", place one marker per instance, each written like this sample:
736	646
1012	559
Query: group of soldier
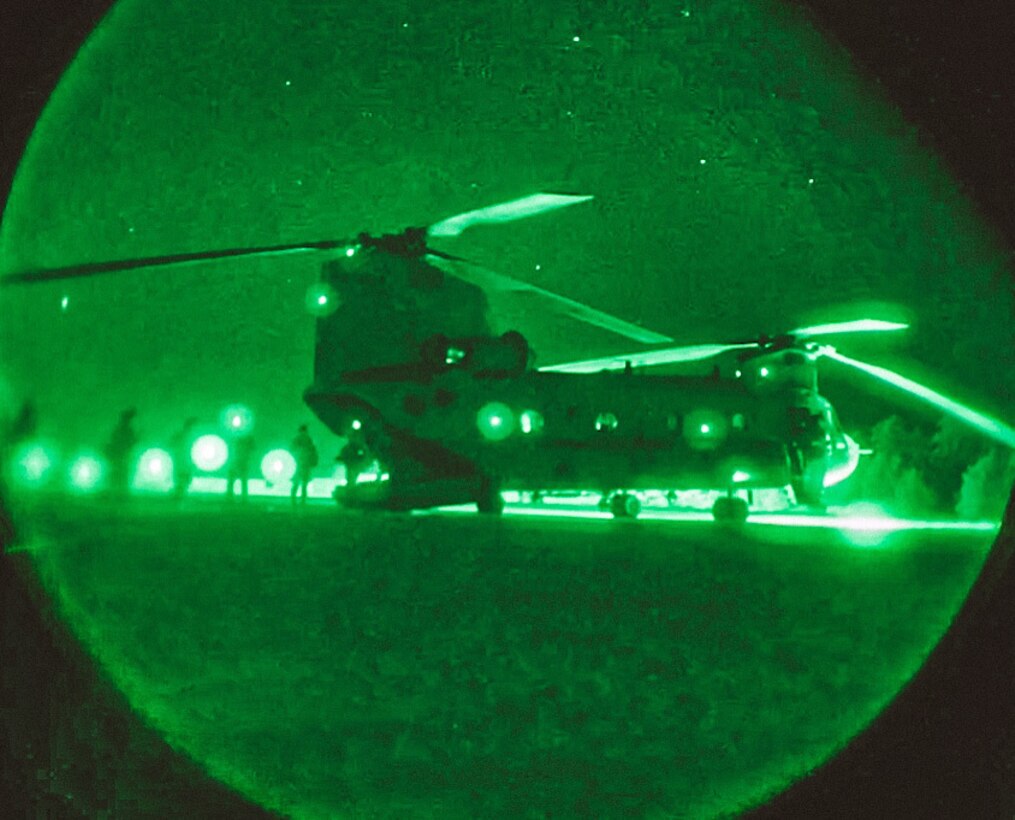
122	444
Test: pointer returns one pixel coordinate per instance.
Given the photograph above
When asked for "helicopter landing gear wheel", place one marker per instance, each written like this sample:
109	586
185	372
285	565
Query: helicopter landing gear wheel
489	501
625	505
730	510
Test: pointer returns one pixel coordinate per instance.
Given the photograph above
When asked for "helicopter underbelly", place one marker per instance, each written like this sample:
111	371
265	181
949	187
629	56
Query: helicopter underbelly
635	465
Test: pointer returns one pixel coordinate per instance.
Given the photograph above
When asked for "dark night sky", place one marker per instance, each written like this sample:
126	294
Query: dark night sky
697	127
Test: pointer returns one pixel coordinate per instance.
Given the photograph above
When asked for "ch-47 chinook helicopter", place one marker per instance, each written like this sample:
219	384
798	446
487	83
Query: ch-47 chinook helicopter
409	370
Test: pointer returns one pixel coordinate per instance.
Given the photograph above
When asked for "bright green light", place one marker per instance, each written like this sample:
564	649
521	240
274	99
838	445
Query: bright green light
209	452
530	421
495	421
705	429
837	475
357	424
763	372
740	476
350	251
32	462
454	355
321	299
86	473
154	470
278	466
855	326
997	430
64	303
237	418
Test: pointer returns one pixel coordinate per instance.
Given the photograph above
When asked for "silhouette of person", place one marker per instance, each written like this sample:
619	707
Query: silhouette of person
119	449
15	431
24	424
238	467
179	449
305	453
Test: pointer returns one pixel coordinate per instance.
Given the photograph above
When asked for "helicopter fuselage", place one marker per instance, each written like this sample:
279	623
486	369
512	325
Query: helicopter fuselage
409	370
553	431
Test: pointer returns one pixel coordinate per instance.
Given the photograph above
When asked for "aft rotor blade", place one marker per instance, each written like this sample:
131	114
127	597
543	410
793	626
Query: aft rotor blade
646	358
995	429
855	326
504	212
490	280
171	260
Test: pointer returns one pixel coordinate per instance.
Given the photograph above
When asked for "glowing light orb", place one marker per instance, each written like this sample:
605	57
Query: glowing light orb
864	524
495	421
764	372
86	473
278	466
209	452
237	418
704	429
321	299
530	421
740	476
154	470
350	251
357	424
32	463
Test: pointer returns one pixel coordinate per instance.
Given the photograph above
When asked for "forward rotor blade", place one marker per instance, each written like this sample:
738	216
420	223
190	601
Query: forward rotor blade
95	268
995	429
646	358
490	280
855	326
504	212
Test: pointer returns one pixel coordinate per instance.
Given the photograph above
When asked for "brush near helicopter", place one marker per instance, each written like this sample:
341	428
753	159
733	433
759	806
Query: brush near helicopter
410	371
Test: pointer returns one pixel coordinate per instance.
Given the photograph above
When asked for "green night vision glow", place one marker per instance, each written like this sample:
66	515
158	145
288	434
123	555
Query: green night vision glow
495	421
321	299
154	470
237	418
220	126
530	421
209	452
32	463
86	473
278	466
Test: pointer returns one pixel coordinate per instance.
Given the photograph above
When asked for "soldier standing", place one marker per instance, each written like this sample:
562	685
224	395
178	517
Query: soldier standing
239	463
179	446
305	453
119	449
